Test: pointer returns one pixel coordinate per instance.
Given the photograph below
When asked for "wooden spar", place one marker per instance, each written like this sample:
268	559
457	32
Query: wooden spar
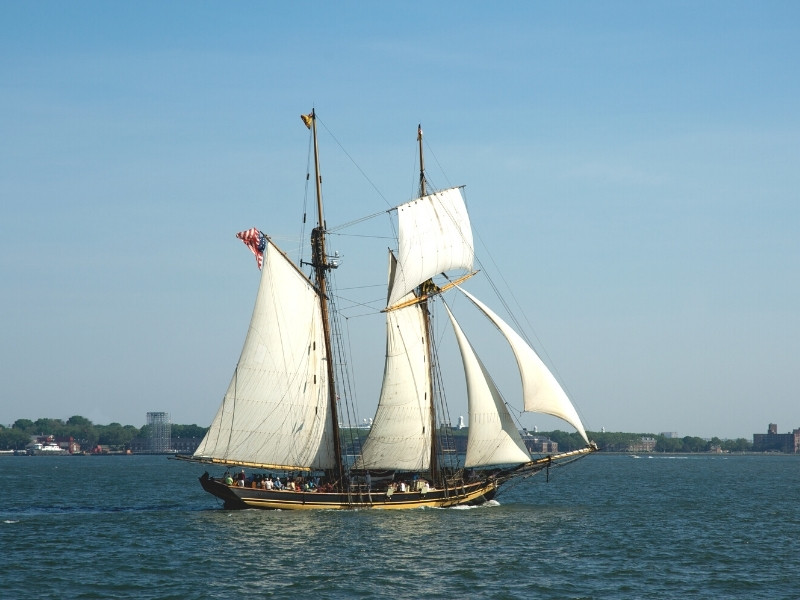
545	462
242	463
422	191
319	261
424	297
318	179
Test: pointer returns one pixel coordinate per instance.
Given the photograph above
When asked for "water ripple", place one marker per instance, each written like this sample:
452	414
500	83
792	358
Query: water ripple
607	527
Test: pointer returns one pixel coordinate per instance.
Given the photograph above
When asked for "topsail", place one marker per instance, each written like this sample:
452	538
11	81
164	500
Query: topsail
435	237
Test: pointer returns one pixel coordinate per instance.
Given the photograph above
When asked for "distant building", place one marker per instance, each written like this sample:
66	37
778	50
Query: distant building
538	444
772	441
186	445
671	435
646	444
143	445
69	444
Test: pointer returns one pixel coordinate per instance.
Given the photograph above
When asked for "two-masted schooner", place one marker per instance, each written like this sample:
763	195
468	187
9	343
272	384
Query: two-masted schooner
280	418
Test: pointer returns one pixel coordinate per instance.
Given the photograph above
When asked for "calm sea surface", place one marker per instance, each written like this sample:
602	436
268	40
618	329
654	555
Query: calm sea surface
608	526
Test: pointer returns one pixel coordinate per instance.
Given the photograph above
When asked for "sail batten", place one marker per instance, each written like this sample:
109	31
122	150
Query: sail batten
541	391
275	410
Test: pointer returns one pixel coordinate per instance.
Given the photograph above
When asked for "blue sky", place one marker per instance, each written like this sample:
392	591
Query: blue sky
632	168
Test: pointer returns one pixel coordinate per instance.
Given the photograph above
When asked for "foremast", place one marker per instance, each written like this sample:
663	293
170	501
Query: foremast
319	262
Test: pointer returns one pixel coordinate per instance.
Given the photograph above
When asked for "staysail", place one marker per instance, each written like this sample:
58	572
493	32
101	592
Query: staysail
540	391
435	236
275	411
493	436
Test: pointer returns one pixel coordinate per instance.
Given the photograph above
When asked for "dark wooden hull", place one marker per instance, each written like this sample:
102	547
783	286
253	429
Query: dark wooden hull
475	492
236	497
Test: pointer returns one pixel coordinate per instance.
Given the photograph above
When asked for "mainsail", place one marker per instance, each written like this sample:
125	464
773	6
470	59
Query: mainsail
400	436
434	237
275	411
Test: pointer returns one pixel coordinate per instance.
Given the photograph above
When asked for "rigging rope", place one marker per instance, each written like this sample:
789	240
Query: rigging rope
360	170
360	220
301	244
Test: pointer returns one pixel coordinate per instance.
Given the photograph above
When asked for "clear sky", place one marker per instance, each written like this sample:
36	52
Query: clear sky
632	167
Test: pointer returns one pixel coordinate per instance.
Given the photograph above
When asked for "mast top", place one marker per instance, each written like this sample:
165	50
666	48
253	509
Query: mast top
310	121
422	187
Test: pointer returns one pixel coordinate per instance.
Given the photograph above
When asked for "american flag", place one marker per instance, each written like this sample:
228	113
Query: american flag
256	241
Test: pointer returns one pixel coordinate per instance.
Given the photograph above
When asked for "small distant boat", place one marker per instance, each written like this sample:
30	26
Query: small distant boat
45	449
280	417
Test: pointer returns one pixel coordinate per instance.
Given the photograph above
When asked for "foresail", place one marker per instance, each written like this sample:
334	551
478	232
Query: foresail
540	391
400	434
435	236
275	411
493	437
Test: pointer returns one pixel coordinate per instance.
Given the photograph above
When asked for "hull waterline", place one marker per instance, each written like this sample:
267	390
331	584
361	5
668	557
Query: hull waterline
236	497
472	493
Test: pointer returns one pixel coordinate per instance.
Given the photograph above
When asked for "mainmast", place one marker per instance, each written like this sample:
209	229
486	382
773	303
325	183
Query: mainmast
319	261
426	288
422	190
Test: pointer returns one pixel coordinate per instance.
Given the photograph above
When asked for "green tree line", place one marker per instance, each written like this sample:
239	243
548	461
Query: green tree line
622	442
83	431
118	437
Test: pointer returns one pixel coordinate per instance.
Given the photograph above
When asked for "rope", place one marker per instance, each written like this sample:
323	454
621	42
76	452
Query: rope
360	170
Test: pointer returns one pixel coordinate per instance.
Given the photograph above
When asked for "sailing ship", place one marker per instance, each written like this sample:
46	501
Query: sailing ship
281	416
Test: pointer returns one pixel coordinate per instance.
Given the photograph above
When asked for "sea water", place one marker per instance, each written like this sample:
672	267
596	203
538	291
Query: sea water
605	527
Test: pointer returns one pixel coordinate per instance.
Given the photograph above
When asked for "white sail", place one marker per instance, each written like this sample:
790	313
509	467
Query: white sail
434	236
493	436
275	411
400	436
540	391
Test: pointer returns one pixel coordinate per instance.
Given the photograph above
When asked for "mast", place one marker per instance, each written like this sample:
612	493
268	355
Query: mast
425	289
319	261
422	190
